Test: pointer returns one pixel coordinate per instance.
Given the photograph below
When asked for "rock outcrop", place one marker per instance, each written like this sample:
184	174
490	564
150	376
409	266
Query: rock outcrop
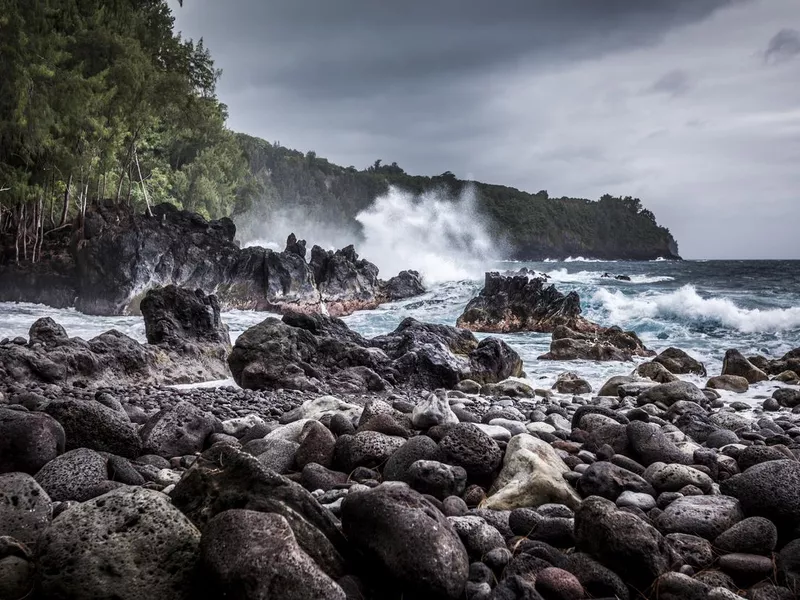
189	344
509	303
120	256
320	353
603	344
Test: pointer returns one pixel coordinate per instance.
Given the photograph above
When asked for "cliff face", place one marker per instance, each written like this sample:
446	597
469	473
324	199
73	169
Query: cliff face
530	226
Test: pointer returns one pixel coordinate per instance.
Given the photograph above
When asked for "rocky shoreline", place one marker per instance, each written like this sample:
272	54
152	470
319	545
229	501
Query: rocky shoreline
105	267
406	466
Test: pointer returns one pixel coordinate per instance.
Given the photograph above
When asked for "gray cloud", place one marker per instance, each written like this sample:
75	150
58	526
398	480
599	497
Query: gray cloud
672	83
536	94
784	45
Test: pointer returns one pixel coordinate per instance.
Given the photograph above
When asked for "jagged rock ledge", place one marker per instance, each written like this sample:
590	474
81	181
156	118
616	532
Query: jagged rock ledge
525	302
107	270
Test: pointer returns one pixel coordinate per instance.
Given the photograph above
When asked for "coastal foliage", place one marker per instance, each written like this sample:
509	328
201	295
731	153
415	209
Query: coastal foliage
105	100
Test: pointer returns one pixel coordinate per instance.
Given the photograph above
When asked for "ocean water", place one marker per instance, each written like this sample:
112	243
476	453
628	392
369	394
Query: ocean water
702	307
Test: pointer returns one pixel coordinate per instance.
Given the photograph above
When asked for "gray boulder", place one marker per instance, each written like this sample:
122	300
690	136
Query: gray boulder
405	536
769	489
25	508
437	479
28	441
76	475
672	392
131	541
650	445
467	446
89	424
754	535
257	553
609	481
703	516
177	431
735	363
678	362
434	410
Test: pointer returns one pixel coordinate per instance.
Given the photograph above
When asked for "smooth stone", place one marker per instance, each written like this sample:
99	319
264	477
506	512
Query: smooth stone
704	516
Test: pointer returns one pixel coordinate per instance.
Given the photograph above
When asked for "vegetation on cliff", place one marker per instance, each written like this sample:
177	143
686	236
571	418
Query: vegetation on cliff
105	100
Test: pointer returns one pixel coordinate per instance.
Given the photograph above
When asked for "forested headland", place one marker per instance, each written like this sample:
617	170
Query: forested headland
106	100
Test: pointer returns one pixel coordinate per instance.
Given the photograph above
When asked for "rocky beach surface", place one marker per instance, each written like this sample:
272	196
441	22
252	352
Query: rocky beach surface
416	464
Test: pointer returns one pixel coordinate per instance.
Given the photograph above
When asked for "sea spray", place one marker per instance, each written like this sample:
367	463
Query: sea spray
443	238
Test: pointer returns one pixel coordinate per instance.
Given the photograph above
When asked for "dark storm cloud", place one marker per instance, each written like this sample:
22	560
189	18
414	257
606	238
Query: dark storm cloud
784	45
352	48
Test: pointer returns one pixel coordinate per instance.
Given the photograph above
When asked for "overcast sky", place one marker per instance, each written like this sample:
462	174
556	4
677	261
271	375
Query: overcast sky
691	105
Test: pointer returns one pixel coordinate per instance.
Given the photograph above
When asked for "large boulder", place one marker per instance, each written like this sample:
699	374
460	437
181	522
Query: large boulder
176	431
189	348
649	445
672	392
626	544
225	478
678	362
319	353
257	553
28	440
406	284
25	508
769	489
76	475
703	516
602	344
519	303
130	543
736	364
532	475
407	538
89	424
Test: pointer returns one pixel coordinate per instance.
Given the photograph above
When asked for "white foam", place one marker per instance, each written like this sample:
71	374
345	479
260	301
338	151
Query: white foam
687	305
587	277
443	238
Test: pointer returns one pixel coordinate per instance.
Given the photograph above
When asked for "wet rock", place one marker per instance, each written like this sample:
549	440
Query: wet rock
612	386
406	537
623	542
28	441
787	397
177	431
531	476
655	371
678	362
570	383
610	344
731	383
736	364
151	552
704	516
267	561
672	392
75	475
25	508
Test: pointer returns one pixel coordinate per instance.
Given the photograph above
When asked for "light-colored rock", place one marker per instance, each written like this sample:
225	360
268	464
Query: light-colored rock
434	410
319	407
532	475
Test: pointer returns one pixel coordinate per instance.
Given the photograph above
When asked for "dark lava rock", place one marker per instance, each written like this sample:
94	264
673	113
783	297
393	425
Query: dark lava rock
131	541
623	542
754	535
650	445
437	479
89	424
692	550
602	344
28	441
736	364
76	475
672	392
704	516
768	490
25	508
365	449
420	447
787	397
258	552
518	303
678	362
407	538
609	481
177	431
597	580
224	478
467	446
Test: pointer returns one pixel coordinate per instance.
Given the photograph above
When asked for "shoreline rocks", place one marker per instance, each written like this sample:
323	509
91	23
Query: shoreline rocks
122	255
